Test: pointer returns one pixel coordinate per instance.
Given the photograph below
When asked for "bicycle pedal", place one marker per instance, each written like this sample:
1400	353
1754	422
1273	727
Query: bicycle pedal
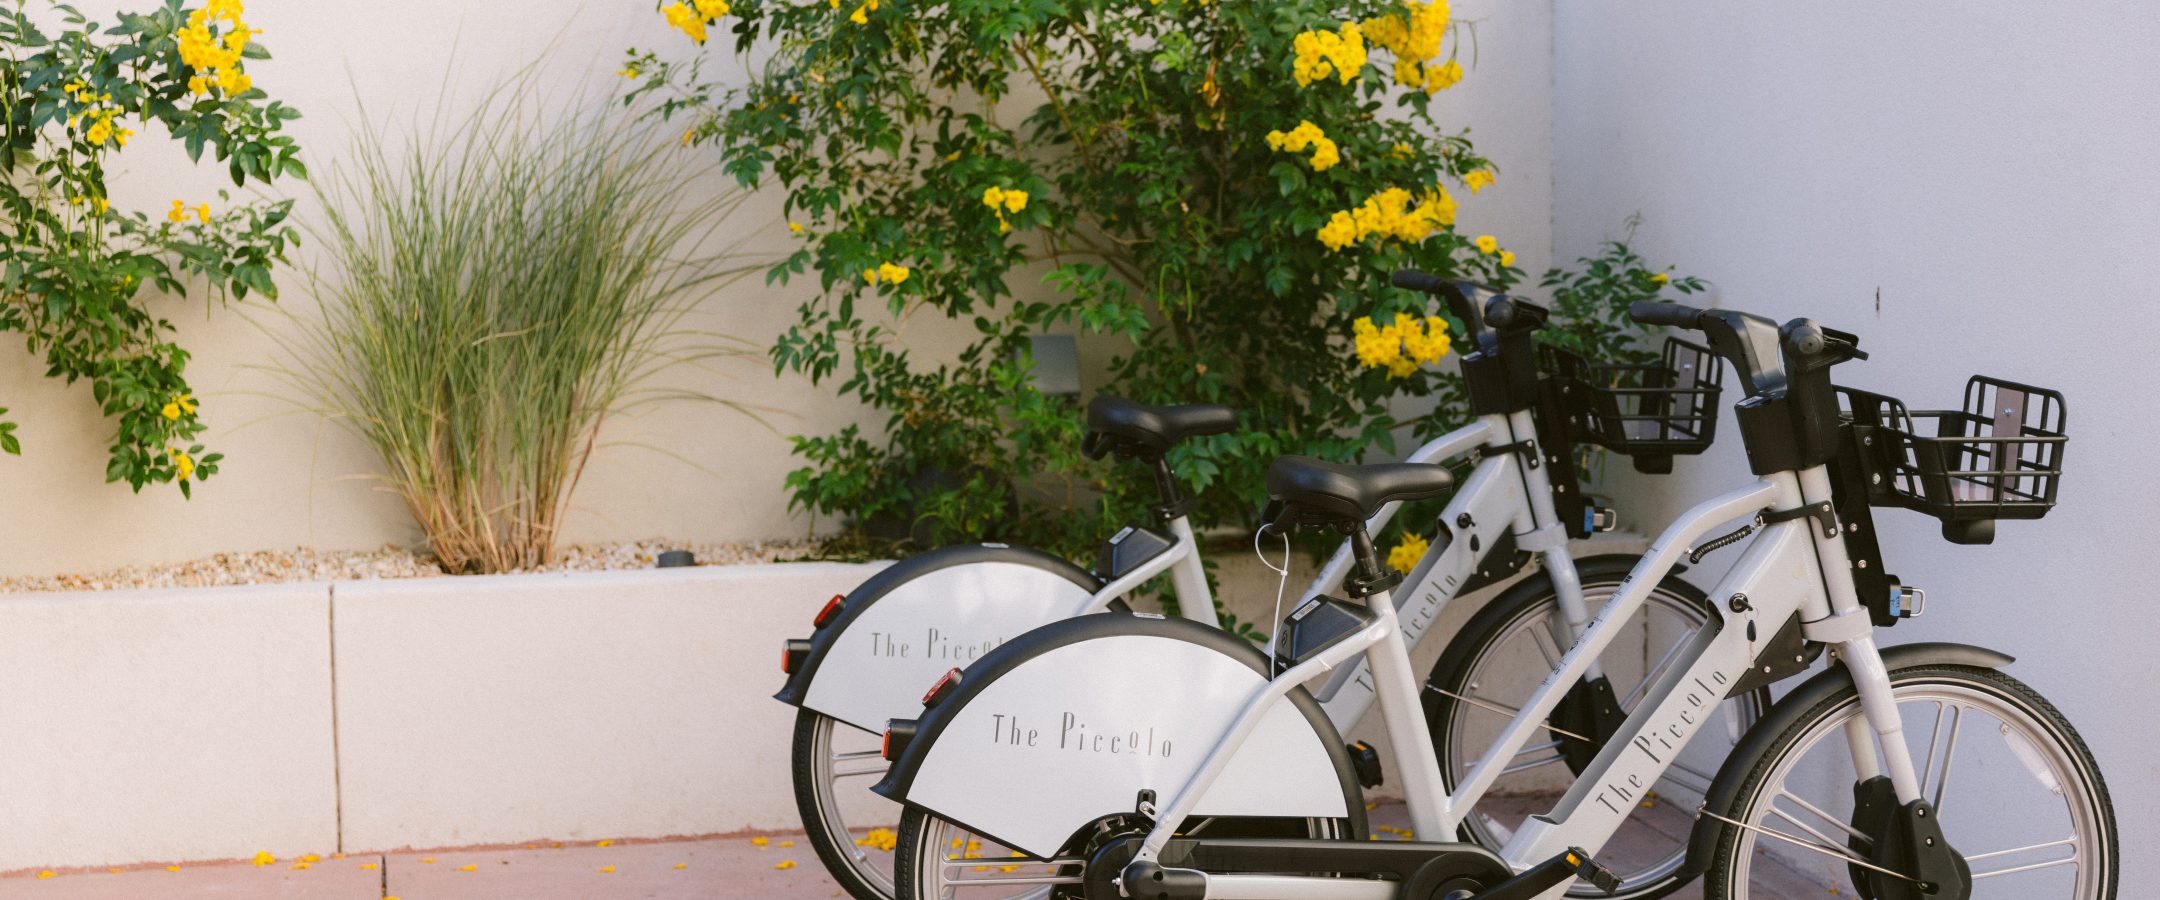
1591	871
1536	880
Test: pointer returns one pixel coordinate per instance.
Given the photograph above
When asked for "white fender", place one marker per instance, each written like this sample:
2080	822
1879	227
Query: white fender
1071	722
919	618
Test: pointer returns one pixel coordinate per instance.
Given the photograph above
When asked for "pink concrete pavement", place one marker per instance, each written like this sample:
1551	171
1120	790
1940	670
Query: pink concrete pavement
666	870
702	869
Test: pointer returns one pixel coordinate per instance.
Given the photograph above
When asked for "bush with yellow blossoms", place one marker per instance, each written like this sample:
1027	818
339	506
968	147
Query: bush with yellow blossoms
1213	194
82	272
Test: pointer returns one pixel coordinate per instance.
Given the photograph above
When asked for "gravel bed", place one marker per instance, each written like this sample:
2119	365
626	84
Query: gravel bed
304	564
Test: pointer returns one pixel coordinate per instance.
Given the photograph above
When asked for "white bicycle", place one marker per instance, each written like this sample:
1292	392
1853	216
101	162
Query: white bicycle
875	649
1131	757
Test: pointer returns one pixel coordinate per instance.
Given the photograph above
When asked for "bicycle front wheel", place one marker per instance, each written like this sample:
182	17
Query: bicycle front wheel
2030	815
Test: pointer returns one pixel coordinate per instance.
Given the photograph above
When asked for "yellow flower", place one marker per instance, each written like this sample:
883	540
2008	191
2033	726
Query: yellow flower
198	85
1447	76
794	227
892	273
1661	278
1401	151
1507	257
1479	180
171	411
1405	556
1306	134
994	197
185	465
178	213
879	839
686	20
869	276
1015	199
861	15
1322	53
1340	231
202	213
262	857
1427	342
712	9
1487	244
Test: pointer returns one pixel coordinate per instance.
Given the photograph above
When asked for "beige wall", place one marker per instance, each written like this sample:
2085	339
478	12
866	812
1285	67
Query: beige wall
291	479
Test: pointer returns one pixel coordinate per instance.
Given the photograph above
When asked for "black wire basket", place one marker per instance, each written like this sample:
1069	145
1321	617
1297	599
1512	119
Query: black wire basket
1648	411
1998	458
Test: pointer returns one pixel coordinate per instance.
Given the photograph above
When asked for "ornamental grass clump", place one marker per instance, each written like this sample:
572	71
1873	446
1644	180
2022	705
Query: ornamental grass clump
498	288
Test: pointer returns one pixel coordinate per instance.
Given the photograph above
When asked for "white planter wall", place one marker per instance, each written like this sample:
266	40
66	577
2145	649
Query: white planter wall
193	725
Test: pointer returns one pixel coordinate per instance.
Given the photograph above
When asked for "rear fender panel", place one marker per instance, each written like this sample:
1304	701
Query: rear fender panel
1069	723
924	615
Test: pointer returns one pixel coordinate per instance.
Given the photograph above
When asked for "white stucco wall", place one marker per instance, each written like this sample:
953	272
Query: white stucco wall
1988	169
290	480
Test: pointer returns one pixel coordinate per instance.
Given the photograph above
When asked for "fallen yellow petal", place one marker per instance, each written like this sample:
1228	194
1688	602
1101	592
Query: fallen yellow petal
263	858
787	843
311	858
172	868
605	844
760	841
682	865
607	870
48	873
368	865
299	866
468	868
784	864
114	871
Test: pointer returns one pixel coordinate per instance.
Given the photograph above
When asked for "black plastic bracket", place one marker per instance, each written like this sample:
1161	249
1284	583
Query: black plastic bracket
1361	587
1821	512
1787	654
1526	448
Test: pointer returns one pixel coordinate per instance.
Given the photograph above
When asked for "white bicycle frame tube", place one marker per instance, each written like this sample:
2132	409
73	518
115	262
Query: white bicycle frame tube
1788	567
1500	494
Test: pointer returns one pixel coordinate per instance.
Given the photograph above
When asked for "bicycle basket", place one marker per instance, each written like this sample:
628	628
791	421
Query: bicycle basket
1652	411
1998	458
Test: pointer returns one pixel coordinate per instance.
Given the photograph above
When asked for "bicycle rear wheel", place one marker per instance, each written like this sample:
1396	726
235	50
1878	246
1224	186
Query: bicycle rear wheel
1492	668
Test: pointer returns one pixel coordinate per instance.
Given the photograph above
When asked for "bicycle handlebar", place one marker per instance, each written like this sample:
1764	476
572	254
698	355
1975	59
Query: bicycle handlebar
1656	312
1411	280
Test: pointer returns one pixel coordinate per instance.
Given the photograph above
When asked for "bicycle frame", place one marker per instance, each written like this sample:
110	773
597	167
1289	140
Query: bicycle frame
1789	567
1501	496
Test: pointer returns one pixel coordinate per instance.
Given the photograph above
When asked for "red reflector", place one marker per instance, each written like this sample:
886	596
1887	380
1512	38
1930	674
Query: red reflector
885	747
787	661
944	685
832	608
792	654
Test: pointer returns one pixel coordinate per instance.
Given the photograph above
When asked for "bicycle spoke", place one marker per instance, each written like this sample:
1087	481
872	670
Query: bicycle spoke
1826	850
1534	748
865	762
1927	763
1942	783
1501	709
1696	781
1657	671
1810	829
1810	807
2072	859
1546	645
1533	764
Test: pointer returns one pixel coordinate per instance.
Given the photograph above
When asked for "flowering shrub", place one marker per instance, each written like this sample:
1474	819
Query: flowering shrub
1224	187
75	265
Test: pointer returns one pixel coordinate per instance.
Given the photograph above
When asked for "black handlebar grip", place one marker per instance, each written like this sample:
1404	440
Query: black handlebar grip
1412	280
1654	312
